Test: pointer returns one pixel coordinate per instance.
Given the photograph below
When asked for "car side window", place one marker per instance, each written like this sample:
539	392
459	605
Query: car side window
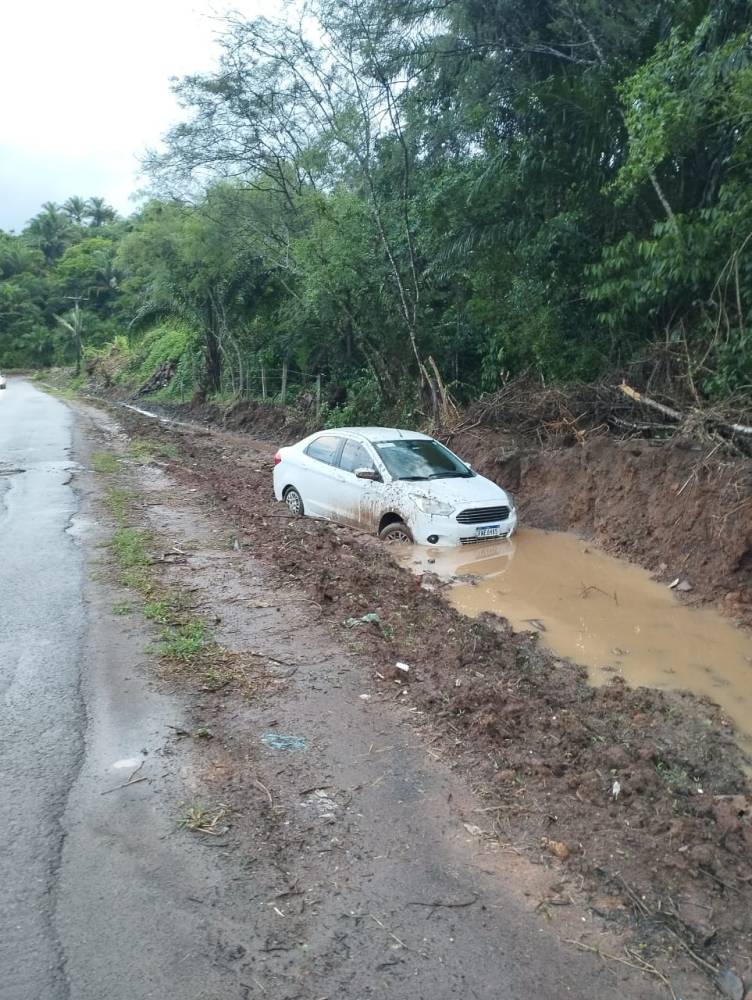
324	448
354	456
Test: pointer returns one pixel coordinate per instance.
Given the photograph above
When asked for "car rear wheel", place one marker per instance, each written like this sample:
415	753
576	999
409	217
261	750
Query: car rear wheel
397	532
294	502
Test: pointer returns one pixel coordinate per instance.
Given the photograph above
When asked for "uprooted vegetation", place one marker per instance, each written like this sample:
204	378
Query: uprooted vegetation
640	791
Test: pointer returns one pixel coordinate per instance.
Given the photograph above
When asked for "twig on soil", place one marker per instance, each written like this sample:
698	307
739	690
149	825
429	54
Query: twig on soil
124	785
726	885
132	780
690	477
639	903
393	936
705	966
460	904
263	788
638	962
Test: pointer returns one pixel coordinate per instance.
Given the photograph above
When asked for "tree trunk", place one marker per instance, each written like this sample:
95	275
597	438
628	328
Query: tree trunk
211	375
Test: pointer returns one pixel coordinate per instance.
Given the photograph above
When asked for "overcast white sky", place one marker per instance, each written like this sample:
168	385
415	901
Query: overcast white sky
85	89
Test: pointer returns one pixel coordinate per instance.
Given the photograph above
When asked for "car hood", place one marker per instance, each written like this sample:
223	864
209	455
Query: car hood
458	491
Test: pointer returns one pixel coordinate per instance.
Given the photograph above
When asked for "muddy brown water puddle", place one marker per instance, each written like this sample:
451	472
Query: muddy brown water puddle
602	612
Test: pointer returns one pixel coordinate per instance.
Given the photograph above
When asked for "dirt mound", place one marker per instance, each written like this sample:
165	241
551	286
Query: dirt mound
638	790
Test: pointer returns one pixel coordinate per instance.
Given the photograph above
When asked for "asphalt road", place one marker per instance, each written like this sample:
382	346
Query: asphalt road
42	621
101	896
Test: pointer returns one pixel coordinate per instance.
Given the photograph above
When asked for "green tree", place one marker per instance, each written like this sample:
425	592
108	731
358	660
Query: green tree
99	213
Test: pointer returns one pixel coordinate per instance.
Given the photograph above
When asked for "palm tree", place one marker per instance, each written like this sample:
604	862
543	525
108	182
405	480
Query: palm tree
75	208
49	230
99	212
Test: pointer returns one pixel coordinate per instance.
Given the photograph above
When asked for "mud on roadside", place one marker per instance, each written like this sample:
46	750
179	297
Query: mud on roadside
638	792
358	864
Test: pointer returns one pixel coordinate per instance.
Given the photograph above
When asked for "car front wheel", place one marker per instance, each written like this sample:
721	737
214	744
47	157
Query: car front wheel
294	502
397	532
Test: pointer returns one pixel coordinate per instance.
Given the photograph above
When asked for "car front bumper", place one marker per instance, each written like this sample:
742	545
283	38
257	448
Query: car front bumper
435	529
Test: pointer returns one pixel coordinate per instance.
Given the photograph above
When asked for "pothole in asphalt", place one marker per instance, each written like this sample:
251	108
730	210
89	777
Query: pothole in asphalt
602	612
79	527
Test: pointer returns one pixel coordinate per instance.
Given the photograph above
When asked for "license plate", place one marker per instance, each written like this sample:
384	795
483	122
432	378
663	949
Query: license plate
488	531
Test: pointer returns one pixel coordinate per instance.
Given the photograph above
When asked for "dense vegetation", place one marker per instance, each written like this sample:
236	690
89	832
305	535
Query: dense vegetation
410	194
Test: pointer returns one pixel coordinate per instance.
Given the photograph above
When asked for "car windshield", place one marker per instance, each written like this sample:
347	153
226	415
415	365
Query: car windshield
420	459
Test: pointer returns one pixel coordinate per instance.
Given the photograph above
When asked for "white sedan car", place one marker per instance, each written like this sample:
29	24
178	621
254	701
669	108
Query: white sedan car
401	485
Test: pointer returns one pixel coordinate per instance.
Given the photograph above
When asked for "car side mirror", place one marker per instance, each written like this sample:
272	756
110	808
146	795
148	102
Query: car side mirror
371	474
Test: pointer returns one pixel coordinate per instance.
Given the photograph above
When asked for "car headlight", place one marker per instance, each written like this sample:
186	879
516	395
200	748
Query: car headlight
430	505
512	505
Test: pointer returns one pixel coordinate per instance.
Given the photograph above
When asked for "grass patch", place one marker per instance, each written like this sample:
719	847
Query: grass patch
122	608
117	503
104	461
138	580
185	642
162	610
166	449
133	559
676	777
130	548
140	450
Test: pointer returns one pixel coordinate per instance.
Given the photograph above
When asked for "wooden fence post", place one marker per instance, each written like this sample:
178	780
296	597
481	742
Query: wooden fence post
283	390
263	381
318	396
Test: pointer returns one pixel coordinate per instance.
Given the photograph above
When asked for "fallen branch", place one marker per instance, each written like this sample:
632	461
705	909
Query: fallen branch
646	401
673	414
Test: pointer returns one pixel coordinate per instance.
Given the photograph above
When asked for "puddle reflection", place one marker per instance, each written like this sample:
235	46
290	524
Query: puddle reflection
602	612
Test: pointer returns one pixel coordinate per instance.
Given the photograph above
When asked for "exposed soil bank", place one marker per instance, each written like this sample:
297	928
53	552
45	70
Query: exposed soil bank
548	747
674	508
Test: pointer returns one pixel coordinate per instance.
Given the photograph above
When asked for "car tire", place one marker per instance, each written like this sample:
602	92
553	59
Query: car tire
294	502
397	531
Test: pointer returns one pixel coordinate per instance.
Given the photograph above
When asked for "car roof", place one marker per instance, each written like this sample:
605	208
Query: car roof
376	434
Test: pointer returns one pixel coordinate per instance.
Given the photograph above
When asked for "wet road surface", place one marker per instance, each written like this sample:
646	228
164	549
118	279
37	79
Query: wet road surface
42	623
98	892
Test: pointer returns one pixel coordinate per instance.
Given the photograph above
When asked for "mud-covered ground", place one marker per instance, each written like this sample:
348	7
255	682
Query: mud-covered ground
679	508
637	794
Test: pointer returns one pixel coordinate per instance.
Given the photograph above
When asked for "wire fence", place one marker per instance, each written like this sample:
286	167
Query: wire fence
250	380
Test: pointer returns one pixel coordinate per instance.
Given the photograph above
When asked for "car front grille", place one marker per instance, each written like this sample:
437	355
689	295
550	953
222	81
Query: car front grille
478	540
480	515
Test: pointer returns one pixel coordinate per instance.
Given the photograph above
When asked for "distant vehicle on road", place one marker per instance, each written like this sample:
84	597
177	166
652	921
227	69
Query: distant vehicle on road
2	381
402	485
